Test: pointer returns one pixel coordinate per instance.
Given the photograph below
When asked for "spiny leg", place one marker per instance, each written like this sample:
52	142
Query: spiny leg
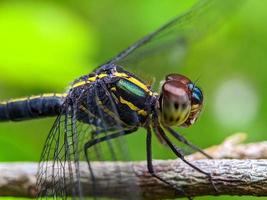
185	141
177	152
150	164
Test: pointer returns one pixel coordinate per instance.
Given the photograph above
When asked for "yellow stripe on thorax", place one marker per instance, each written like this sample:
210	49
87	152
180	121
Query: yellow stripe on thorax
118	74
134	80
89	80
79	84
109	112
133	107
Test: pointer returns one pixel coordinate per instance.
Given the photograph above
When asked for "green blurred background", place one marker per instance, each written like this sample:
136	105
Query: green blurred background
44	45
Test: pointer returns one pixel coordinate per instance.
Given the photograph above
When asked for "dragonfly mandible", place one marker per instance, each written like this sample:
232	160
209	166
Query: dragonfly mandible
114	101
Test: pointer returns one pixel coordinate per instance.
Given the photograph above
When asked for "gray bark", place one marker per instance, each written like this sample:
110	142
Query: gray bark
117	179
231	177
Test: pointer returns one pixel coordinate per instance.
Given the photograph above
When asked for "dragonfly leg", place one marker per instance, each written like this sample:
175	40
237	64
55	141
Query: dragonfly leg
95	141
98	151
151	168
107	137
178	153
185	141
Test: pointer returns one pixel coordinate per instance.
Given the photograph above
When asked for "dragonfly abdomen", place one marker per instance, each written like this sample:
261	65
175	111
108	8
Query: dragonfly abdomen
31	107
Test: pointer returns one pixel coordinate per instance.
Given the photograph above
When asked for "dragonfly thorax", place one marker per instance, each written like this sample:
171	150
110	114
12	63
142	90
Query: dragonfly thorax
180	101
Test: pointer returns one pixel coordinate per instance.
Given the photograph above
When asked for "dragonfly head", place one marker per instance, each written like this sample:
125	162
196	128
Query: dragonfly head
180	101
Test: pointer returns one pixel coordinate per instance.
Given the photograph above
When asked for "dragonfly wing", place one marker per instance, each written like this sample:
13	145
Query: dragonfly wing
68	161
163	51
58	172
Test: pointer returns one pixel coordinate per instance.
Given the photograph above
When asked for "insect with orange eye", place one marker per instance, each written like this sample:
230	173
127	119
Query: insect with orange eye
112	101
124	103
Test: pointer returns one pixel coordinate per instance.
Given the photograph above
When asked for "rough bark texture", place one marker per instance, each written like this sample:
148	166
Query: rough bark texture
231	176
232	147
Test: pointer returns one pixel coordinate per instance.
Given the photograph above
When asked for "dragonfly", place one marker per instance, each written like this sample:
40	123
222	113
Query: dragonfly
115	100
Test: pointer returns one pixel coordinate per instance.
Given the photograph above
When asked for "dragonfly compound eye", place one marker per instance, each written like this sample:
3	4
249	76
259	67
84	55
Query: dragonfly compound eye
178	77
196	104
175	103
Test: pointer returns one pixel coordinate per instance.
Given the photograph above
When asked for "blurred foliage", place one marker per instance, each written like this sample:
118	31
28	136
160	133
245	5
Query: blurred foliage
47	44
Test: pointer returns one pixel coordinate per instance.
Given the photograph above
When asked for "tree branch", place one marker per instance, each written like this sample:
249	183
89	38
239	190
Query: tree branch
233	148
231	177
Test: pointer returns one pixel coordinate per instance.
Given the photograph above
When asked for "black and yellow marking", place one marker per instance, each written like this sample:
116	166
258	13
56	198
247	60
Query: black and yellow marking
126	83
133	107
109	112
89	80
31	107
116	74
131	87
134	81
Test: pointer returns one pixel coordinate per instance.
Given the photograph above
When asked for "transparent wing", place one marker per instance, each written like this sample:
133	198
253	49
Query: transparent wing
58	173
69	166
163	51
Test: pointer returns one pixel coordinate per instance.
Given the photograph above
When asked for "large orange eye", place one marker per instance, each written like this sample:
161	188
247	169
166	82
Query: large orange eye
175	103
